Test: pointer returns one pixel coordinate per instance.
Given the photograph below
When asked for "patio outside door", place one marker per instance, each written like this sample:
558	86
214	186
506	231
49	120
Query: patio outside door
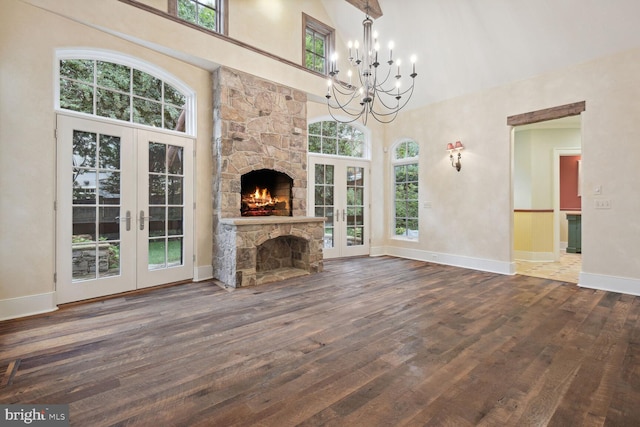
125	219
338	190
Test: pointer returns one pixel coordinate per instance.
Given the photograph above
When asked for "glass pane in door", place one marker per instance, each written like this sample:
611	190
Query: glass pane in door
166	206
355	206
324	201
95	241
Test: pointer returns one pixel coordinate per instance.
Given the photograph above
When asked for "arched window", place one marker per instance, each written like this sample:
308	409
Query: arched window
405	185
338	139
115	86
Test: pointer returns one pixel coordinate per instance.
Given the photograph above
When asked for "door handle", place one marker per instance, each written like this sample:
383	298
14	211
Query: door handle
344	215
127	220
337	215
142	218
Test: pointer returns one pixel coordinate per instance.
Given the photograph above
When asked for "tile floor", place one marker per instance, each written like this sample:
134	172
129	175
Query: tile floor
565	270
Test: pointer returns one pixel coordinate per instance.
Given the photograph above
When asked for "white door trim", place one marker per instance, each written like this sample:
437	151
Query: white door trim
132	275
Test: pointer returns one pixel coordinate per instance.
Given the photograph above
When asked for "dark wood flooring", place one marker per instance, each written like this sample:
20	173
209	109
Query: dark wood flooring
368	342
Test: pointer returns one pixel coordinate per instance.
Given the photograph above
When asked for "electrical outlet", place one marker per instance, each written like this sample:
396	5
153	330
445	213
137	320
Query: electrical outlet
603	204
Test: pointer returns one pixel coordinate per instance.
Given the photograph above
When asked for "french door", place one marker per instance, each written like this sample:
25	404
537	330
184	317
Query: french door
124	220
338	190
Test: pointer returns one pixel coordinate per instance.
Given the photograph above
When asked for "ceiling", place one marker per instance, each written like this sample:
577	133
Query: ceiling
466	46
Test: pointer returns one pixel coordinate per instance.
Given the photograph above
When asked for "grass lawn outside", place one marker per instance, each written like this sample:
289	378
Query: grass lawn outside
157	253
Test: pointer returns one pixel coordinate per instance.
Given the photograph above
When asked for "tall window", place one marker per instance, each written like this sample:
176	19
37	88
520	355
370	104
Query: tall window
405	167
204	13
340	139
318	41
121	92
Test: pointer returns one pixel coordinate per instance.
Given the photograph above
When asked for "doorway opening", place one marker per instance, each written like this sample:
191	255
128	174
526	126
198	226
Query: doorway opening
546	156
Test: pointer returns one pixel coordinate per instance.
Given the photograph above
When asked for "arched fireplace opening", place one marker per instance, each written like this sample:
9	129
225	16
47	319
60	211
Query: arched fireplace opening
283	252
265	192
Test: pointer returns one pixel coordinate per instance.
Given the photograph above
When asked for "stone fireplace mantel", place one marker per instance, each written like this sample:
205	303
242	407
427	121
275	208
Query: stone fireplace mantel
271	220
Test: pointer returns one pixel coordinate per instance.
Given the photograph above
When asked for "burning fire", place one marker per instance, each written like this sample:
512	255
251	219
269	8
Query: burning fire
260	198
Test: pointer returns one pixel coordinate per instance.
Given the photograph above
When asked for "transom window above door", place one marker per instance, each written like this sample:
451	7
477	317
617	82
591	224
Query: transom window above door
339	139
121	91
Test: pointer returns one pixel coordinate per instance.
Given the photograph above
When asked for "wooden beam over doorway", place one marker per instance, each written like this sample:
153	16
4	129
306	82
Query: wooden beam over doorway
370	7
547	114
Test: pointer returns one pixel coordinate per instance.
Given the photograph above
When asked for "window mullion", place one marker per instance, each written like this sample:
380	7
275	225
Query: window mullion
131	94
162	104
95	88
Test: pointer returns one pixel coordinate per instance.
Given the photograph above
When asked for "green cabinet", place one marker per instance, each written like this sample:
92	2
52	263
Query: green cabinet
574	244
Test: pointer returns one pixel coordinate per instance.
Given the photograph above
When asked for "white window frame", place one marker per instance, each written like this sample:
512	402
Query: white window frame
133	62
401	162
220	8
366	148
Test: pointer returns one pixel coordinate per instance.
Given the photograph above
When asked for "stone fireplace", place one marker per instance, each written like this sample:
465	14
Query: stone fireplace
260	228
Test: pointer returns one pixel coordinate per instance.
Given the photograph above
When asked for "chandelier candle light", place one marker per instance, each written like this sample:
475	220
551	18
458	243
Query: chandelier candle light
376	95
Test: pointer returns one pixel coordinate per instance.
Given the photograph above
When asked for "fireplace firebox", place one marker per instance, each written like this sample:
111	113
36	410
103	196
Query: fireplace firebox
266	192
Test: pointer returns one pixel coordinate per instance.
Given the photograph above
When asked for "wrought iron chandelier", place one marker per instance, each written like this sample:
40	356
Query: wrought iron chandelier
373	92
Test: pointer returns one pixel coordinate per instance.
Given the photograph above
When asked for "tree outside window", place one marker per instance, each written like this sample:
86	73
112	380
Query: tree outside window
317	42
203	13
334	138
117	91
405	159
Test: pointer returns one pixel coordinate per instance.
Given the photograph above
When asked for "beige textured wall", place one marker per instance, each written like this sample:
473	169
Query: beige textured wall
471	212
162	5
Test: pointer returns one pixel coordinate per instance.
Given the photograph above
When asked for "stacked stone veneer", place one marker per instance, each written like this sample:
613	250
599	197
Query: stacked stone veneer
282	252
258	124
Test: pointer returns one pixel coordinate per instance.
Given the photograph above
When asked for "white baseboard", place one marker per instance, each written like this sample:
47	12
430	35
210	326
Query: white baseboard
492	266
377	251
204	272
30	305
534	256
602	282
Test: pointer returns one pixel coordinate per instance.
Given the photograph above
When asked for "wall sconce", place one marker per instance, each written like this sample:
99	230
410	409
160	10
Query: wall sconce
457	147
